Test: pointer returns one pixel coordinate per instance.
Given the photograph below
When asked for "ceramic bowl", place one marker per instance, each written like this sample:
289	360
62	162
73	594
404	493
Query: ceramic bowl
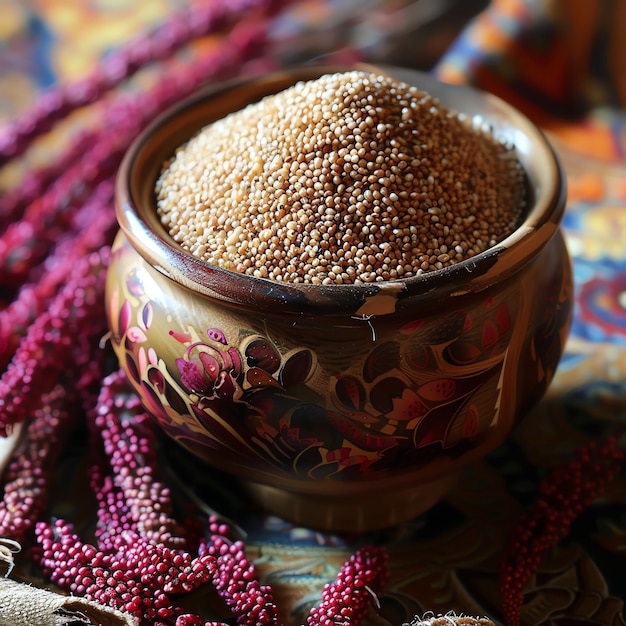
339	407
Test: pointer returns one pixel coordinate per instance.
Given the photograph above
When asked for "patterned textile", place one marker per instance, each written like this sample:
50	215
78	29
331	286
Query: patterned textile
563	63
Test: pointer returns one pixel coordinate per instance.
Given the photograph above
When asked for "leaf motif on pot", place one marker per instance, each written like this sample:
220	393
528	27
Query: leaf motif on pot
380	360
503	318
142	358
467	324
412	327
150	398
490	335
258	377
434	426
296	369
461	352
156	378
146	316
439	390
262	354
470	425
124	317
152	356
408	407
350	392
131	368
448	329
416	355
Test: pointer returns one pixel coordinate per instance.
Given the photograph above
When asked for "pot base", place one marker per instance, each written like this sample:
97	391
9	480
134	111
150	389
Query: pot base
373	510
373	507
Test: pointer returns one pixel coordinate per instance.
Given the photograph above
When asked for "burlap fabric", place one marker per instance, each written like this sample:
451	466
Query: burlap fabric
25	605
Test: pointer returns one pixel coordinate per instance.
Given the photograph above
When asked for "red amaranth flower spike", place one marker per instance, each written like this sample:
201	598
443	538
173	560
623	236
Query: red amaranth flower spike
49	217
236	581
346	600
50	340
135	498
35	296
197	21
45	341
136	576
27	476
131	568
34	182
28	241
563	494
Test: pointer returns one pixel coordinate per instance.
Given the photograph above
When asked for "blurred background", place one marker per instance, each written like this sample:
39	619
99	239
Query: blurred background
46	41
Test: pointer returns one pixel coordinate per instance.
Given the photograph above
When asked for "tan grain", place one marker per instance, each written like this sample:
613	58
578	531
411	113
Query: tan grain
347	179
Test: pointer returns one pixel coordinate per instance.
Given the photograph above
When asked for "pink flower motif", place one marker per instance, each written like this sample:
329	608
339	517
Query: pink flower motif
193	375
153	357
207	375
408	407
209	369
136	335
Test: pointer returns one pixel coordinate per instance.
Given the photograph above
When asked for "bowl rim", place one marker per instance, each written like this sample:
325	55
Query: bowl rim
140	224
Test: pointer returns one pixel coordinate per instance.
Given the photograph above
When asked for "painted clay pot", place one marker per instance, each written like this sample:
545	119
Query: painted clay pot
339	407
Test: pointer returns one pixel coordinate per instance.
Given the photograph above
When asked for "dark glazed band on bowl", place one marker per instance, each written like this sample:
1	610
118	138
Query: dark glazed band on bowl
136	206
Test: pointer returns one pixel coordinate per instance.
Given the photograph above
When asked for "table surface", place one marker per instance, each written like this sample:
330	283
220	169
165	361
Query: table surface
449	558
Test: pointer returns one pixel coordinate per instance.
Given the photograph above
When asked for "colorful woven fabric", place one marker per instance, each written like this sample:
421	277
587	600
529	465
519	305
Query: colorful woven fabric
563	63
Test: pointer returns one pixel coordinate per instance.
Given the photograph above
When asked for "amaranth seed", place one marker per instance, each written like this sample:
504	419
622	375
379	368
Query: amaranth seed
346	179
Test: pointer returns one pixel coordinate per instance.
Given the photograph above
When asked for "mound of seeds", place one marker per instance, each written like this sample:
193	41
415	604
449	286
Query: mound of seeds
350	178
